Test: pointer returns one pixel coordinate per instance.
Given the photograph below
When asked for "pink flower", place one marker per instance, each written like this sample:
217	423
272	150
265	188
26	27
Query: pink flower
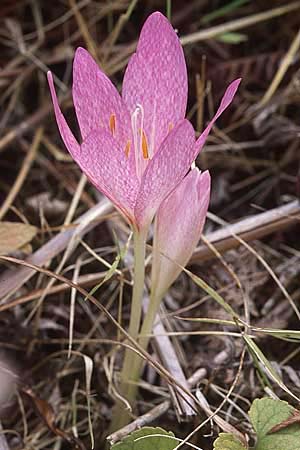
136	147
179	224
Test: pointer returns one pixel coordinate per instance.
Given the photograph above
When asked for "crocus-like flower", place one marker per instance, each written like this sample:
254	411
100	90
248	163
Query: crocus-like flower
179	223
137	147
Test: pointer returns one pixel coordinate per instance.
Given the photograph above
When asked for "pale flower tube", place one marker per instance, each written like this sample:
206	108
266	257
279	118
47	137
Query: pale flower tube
179	224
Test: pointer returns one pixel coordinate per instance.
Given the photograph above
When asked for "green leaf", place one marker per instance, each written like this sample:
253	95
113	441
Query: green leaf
227	441
226	9
269	369
148	438
232	38
265	414
286	335
112	267
210	291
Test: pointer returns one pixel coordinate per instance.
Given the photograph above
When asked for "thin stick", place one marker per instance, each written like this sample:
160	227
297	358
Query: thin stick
3	441
84	30
123	19
154	413
75	200
264	263
12	280
23	173
286	62
136	347
86	280
234	25
254	227
26	125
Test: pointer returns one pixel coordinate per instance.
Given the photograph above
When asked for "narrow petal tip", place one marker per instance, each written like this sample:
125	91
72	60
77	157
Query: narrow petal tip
80	52
156	17
225	102
81	58
52	89
236	82
49	78
233	87
230	93
66	134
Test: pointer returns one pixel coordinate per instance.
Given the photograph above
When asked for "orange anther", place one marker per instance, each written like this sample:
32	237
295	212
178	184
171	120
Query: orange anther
112	124
127	148
171	126
145	146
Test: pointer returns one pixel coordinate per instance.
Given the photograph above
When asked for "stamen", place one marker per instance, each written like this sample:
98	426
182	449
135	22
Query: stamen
171	126
127	148
112	124
140	144
145	146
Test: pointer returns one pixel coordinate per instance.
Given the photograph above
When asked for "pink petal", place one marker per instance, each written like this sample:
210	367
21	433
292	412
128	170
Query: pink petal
108	168
180	220
167	168
156	79
96	99
225	102
65	132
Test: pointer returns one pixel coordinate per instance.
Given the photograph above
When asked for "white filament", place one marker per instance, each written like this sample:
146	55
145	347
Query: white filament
137	123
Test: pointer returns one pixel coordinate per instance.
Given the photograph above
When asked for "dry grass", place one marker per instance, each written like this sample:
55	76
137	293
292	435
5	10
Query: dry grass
232	339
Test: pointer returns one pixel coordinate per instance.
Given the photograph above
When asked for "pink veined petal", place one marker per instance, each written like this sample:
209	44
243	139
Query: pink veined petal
65	132
97	101
180	220
225	102
107	168
163	173
156	79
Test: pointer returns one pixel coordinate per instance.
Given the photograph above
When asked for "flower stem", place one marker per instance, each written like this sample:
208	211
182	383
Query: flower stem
146	329
133	363
120	417
139	241
154	302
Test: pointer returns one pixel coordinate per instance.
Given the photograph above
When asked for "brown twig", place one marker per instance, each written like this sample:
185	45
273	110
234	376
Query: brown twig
28	161
254	227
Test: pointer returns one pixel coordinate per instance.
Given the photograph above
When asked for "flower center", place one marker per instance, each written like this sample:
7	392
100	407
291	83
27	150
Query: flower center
141	148
140	142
